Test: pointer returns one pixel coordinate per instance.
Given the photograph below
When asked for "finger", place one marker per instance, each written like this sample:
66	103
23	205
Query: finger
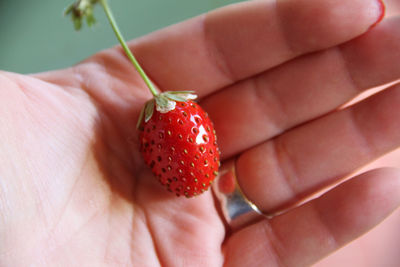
312	231
301	161
238	41
216	49
305	88
370	58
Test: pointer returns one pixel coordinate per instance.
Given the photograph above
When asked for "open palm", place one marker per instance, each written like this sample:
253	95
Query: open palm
74	190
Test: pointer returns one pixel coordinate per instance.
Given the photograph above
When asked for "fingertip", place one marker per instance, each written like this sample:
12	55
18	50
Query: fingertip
388	179
329	20
384	182
381	13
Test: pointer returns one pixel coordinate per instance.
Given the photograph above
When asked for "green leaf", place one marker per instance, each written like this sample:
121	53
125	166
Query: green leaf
176	97
181	92
77	23
90	20
161	100
69	9
149	110
139	122
181	96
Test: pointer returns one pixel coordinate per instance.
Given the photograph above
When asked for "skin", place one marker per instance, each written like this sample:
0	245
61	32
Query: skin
75	191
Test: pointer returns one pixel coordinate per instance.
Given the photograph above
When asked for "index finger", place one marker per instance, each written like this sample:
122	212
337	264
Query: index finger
238	41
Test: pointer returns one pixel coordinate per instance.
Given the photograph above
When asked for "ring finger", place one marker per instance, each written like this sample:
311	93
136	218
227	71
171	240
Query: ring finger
307	158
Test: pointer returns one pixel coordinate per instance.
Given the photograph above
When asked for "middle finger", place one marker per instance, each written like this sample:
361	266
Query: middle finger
264	106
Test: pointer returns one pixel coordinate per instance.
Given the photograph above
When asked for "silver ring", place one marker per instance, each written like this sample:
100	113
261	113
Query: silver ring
236	208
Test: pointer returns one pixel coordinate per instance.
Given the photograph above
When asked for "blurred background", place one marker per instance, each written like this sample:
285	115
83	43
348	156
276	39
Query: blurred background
35	36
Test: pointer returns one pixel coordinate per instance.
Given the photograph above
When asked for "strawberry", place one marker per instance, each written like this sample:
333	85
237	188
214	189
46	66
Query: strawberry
177	138
178	142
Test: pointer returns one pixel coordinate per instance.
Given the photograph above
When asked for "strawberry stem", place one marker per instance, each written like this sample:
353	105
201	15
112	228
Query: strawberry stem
128	52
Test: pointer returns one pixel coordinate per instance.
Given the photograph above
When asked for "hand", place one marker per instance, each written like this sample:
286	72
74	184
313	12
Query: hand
74	190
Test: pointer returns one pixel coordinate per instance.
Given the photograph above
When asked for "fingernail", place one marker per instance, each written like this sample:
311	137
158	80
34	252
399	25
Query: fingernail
381	13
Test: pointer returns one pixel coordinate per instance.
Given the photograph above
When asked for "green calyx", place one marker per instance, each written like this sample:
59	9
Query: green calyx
81	10
164	102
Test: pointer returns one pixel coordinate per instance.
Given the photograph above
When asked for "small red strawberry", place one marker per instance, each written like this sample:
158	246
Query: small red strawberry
178	142
177	138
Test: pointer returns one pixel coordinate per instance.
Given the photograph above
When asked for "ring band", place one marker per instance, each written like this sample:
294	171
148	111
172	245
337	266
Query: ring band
236	208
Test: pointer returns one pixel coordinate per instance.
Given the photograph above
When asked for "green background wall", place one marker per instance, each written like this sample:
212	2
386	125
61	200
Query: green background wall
35	36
